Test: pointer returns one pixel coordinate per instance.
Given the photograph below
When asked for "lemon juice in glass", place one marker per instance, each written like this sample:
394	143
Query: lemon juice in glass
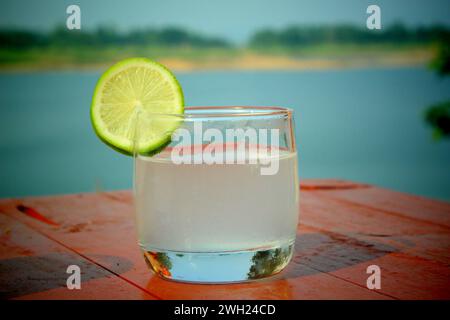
216	188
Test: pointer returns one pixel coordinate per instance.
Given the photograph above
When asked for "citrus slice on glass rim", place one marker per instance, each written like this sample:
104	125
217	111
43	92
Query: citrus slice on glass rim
129	89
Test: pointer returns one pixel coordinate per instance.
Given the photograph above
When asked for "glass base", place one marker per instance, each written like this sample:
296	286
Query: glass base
219	267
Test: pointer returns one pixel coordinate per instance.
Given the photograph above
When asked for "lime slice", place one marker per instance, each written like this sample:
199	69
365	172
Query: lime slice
132	89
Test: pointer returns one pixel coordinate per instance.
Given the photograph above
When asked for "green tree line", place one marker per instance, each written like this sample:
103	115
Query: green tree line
438	115
311	35
174	36
105	36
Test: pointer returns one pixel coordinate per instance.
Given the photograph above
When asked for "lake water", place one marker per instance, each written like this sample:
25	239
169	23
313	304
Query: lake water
361	125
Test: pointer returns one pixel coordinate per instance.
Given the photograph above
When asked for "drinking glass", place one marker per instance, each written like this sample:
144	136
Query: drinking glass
217	201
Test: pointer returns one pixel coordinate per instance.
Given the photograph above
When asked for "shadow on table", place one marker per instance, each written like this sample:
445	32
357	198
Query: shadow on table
328	252
21	276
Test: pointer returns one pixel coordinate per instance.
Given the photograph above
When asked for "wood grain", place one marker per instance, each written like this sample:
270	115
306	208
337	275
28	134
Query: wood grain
344	227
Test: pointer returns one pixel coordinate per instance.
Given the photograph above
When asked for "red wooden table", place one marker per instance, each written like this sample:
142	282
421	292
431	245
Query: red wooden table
344	228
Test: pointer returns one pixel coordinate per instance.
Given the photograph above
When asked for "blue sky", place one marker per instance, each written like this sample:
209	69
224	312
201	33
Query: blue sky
233	19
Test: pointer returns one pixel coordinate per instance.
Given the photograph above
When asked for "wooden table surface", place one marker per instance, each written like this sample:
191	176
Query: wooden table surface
344	227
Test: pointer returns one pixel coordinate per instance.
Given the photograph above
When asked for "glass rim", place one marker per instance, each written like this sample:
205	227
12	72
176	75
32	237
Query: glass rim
227	112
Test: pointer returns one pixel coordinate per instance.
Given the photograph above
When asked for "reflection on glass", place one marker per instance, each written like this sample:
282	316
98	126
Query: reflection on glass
159	262
268	262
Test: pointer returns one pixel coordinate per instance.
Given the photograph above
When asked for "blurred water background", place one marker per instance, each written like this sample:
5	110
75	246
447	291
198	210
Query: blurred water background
364	125
359	95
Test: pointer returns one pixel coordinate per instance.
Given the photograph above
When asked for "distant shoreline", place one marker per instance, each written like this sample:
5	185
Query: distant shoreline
232	60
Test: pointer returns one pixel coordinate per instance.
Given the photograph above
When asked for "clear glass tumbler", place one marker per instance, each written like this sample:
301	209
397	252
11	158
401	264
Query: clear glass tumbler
218	200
